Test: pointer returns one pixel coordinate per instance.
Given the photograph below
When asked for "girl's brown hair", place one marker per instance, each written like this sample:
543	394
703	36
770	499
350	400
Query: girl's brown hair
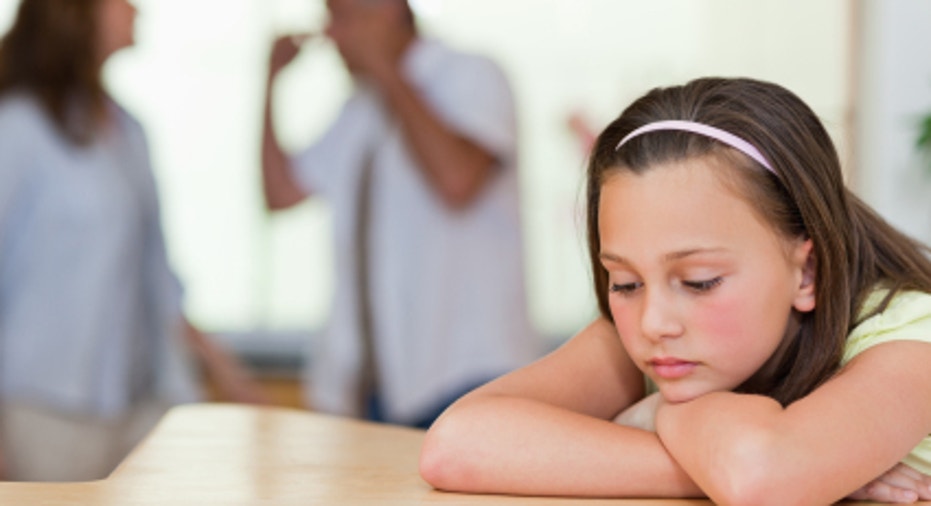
50	52
855	250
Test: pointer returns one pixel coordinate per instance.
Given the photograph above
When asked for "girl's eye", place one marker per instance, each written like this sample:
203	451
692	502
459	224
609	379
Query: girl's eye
625	288
703	285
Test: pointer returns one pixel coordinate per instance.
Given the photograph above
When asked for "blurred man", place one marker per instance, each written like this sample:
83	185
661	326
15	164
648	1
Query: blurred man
420	172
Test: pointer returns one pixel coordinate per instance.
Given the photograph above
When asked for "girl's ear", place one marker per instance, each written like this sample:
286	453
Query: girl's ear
806	262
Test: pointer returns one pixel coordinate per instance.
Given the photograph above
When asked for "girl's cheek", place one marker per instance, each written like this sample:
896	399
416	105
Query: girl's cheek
721	316
626	325
619	311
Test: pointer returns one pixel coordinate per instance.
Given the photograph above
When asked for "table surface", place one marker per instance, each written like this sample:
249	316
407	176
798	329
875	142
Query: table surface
227	454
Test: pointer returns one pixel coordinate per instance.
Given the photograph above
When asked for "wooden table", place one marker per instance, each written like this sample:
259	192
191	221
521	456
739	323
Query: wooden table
221	454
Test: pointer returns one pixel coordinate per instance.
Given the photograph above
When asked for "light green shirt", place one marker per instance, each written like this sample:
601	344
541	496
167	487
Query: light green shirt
907	318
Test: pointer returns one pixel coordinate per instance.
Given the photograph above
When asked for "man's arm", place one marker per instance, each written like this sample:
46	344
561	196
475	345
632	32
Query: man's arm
280	189
457	168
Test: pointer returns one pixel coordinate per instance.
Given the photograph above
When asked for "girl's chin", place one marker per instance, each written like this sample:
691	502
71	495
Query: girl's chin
678	396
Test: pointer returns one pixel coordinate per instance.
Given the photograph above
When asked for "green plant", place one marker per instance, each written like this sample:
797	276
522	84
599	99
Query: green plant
924	141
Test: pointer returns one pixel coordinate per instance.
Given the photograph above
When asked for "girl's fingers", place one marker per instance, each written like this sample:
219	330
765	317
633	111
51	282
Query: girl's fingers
883	492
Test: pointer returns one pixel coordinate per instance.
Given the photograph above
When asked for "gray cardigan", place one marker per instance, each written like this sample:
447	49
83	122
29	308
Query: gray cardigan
90	311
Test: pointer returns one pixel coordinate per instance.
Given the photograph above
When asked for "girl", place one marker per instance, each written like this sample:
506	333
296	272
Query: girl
785	326
91	331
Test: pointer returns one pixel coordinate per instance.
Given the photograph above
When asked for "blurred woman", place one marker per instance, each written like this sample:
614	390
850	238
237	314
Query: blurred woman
93	343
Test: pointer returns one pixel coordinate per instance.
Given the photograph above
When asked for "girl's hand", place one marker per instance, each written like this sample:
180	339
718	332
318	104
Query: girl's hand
642	414
901	484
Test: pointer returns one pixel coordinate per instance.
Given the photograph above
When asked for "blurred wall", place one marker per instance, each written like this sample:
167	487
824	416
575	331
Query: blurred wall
894	79
196	77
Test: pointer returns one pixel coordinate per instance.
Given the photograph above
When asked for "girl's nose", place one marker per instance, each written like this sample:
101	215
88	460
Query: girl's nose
659	316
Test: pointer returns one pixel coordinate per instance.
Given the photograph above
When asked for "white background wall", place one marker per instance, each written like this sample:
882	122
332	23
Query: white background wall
894	74
195	81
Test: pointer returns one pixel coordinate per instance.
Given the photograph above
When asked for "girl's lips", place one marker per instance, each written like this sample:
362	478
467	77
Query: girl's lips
672	368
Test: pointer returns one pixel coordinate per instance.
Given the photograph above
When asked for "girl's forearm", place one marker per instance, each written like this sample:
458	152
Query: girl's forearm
726	442
519	446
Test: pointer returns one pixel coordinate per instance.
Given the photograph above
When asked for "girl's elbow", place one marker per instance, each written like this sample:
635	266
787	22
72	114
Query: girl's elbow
744	491
749	473
762	490
433	462
443	461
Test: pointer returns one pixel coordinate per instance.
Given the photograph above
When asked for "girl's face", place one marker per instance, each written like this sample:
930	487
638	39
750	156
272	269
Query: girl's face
116	21
701	289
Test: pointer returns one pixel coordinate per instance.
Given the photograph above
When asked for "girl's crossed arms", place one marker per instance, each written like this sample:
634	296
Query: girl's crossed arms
784	325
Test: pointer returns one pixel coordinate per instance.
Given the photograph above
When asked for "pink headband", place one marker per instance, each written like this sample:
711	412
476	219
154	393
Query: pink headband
701	129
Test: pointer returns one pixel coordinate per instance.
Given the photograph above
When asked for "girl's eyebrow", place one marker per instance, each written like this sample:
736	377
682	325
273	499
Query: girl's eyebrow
678	255
611	257
668	257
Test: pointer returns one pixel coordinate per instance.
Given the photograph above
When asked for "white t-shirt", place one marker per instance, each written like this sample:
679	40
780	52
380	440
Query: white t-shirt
448	293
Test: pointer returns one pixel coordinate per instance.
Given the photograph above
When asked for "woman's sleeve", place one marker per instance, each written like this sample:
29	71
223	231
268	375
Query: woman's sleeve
175	370
14	168
13	162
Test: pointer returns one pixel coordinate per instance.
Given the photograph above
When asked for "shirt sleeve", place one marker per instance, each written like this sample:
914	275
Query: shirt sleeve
318	167
164	288
13	162
906	318
478	103
174	366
